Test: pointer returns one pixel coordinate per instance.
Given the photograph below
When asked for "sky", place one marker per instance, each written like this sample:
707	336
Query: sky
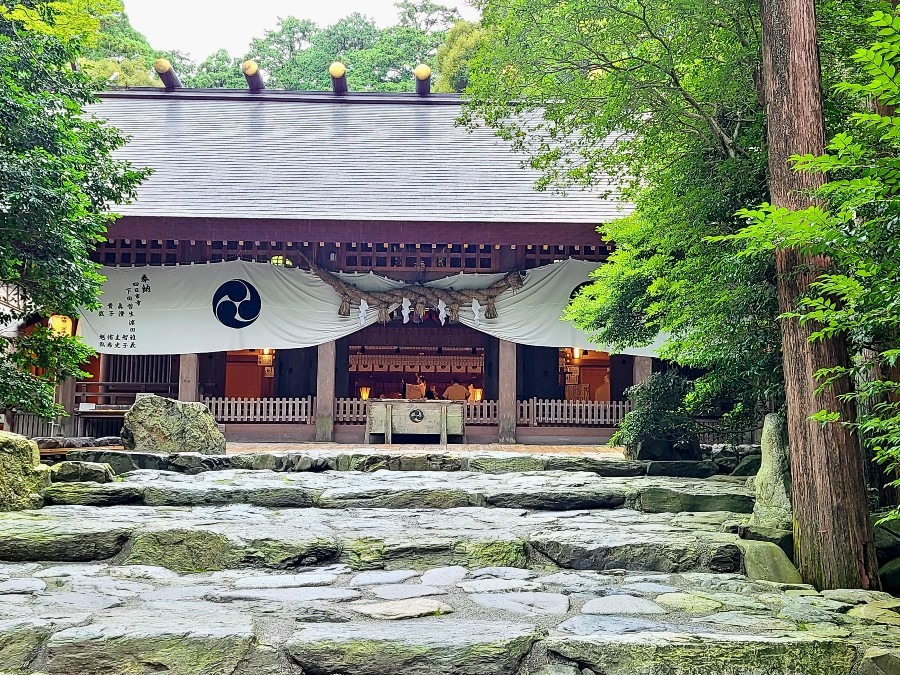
201	27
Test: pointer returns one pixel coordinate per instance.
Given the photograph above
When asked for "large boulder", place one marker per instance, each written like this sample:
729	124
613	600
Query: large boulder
158	424
773	481
22	476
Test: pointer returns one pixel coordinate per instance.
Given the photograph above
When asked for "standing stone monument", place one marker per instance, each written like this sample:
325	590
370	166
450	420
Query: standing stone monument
22	476
772	484
158	424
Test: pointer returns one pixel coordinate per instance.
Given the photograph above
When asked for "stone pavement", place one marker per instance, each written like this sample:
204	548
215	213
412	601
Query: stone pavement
431	562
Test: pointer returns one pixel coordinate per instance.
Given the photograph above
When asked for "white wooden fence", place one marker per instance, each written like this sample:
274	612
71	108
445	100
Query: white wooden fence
549	412
481	412
350	410
532	412
261	409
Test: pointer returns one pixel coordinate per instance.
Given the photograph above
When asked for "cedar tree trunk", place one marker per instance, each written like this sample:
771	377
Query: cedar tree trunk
833	540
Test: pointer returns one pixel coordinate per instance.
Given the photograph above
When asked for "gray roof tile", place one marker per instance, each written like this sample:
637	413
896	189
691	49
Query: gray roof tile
312	156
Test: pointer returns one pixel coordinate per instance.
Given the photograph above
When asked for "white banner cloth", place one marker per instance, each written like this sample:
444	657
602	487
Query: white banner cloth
243	305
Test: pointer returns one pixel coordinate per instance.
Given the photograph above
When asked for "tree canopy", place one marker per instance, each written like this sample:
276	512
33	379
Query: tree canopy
665	101
58	181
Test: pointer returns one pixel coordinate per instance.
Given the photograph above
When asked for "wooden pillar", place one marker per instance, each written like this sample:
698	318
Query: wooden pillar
327	354
506	405
103	377
65	396
643	368
189	377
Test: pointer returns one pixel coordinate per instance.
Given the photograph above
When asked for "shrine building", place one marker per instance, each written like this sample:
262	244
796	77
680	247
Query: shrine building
297	254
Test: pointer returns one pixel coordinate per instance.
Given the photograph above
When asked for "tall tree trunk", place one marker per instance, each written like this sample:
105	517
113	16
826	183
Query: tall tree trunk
833	539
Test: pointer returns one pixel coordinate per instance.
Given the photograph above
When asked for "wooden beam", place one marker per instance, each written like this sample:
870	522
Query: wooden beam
325	391
189	377
506	405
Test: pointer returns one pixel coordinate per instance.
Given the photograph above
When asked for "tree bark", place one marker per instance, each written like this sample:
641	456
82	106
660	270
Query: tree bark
833	539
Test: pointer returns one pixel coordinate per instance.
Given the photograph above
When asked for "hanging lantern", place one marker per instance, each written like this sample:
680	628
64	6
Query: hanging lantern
60	325
266	357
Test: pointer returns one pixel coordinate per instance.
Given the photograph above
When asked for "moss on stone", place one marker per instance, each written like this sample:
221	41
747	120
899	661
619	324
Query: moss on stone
661	654
493	553
184	550
364	554
506	464
284	555
22	476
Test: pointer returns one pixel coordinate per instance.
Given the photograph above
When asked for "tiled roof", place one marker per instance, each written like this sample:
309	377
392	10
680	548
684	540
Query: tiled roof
294	155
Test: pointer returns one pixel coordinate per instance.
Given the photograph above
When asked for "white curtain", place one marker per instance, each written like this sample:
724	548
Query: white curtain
244	305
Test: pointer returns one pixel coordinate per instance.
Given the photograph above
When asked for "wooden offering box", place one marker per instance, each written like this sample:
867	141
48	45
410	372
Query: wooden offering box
416	418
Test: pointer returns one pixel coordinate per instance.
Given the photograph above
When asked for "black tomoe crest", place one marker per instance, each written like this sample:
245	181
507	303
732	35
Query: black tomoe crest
236	304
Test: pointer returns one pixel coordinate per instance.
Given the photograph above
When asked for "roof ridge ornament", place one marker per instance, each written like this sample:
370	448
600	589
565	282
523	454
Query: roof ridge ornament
338	72
252	74
167	74
422	73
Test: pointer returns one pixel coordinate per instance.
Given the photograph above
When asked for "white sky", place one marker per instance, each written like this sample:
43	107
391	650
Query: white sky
200	27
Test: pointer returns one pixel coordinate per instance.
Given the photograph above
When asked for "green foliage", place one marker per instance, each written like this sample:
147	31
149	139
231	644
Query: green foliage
453	57
219	70
662	99
857	225
658	412
58	180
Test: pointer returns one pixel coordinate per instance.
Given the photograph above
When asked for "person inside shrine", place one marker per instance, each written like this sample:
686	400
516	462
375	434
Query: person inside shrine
456	392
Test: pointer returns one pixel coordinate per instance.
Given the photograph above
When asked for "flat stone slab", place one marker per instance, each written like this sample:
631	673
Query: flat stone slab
202	538
652	653
544	490
188	638
95	618
372	459
430	646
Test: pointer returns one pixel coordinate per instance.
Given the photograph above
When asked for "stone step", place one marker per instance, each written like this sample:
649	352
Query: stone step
371	459
100	618
218	537
544	490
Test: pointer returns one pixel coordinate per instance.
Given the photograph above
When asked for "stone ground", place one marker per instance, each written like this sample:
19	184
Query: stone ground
428	562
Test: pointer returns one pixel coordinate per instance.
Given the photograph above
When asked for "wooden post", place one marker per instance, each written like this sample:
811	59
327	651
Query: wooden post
325	392
189	377
642	368
443	426
506	403
65	396
103	377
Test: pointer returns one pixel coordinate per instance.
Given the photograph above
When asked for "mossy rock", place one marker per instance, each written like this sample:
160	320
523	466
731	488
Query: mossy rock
493	553
676	654
506	464
366	553
159	424
765	561
76	472
184	550
22	476
426	646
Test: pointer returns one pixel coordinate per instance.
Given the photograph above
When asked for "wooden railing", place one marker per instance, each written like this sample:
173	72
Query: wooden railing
119	393
550	412
481	412
532	412
261	409
350	410
32	425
